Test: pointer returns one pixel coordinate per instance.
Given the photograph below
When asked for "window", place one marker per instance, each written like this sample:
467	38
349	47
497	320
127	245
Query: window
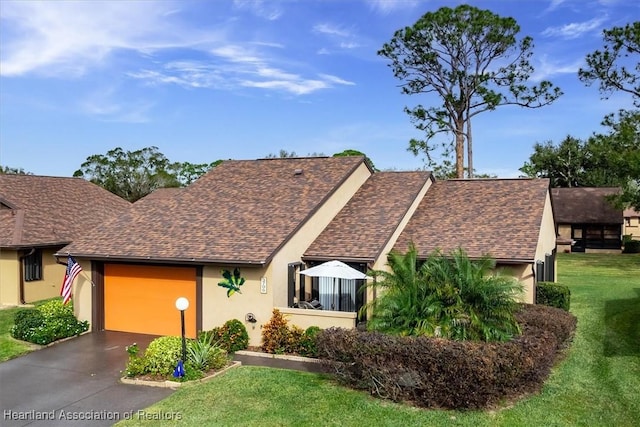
33	266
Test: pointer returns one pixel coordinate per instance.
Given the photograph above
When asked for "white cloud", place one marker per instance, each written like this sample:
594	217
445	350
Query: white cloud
269	10
70	39
330	29
546	69
575	29
236	66
388	6
67	38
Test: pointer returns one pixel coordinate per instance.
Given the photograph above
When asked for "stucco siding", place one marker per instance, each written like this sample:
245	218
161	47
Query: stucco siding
631	227
523	273
52	276
9	277
217	308
82	291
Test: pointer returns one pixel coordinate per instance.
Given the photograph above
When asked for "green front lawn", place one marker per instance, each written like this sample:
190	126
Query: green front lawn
10	347
598	383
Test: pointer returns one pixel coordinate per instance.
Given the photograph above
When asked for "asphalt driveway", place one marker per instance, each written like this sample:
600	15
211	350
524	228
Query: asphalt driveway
75	382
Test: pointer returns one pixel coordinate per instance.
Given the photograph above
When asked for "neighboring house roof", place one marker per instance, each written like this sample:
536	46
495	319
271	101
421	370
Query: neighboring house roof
498	217
364	226
585	205
630	213
242	211
47	211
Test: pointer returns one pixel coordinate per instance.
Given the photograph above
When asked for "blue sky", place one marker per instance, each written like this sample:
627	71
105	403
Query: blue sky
208	80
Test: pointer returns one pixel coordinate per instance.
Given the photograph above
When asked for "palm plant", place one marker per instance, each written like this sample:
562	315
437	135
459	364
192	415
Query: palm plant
449	296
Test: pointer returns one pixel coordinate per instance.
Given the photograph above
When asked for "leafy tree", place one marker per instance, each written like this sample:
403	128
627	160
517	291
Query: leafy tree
448	295
470	59
8	170
447	170
134	174
563	164
284	154
347	153
603	160
616	67
186	173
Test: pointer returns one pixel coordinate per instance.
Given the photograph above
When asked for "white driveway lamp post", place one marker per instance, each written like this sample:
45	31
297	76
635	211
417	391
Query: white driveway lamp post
182	304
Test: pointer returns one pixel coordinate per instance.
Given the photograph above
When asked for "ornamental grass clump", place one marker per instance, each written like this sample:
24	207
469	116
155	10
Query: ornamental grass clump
447	295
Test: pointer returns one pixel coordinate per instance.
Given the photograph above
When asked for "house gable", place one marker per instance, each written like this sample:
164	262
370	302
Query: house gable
498	217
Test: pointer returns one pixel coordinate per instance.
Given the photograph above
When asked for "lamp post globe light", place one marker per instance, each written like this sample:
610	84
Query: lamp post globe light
182	304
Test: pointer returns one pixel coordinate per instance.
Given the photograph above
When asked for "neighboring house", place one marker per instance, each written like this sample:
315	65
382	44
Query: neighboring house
268	220
631	225
586	221
39	215
509	219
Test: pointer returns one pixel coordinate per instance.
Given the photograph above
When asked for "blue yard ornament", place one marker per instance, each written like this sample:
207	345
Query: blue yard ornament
179	371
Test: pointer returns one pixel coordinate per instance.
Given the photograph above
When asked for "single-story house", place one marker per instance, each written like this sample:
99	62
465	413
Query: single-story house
586	221
235	241
39	215
631	225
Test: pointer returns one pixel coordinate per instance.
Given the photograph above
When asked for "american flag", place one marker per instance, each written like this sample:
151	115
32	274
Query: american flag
73	269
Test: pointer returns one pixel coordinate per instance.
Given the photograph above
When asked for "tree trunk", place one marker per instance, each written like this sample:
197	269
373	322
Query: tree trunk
469	149
459	149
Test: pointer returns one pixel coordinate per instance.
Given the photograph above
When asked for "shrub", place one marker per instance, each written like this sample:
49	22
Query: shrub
275	334
308	342
25	323
553	295
218	358
632	247
162	355
441	373
55	307
49	322
233	336
136	365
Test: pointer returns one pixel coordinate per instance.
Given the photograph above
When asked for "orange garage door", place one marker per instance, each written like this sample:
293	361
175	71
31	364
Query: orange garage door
142	299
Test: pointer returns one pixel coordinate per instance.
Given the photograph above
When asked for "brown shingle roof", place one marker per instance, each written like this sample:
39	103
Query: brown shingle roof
499	217
585	205
160	193
52	210
630	213
365	225
242	211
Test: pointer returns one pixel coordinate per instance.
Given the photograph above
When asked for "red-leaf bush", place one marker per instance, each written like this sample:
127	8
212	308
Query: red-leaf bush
440	373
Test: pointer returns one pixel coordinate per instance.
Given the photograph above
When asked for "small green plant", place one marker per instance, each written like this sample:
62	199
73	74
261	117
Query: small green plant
136	366
199	352
132	349
308	342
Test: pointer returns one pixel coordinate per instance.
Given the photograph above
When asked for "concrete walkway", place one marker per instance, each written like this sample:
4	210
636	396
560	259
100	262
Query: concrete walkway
75	382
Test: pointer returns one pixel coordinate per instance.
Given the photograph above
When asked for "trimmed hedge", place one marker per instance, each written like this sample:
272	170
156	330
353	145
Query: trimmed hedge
631	247
553	295
439	373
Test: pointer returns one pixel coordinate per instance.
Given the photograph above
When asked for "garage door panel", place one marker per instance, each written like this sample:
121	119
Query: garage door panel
142	299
